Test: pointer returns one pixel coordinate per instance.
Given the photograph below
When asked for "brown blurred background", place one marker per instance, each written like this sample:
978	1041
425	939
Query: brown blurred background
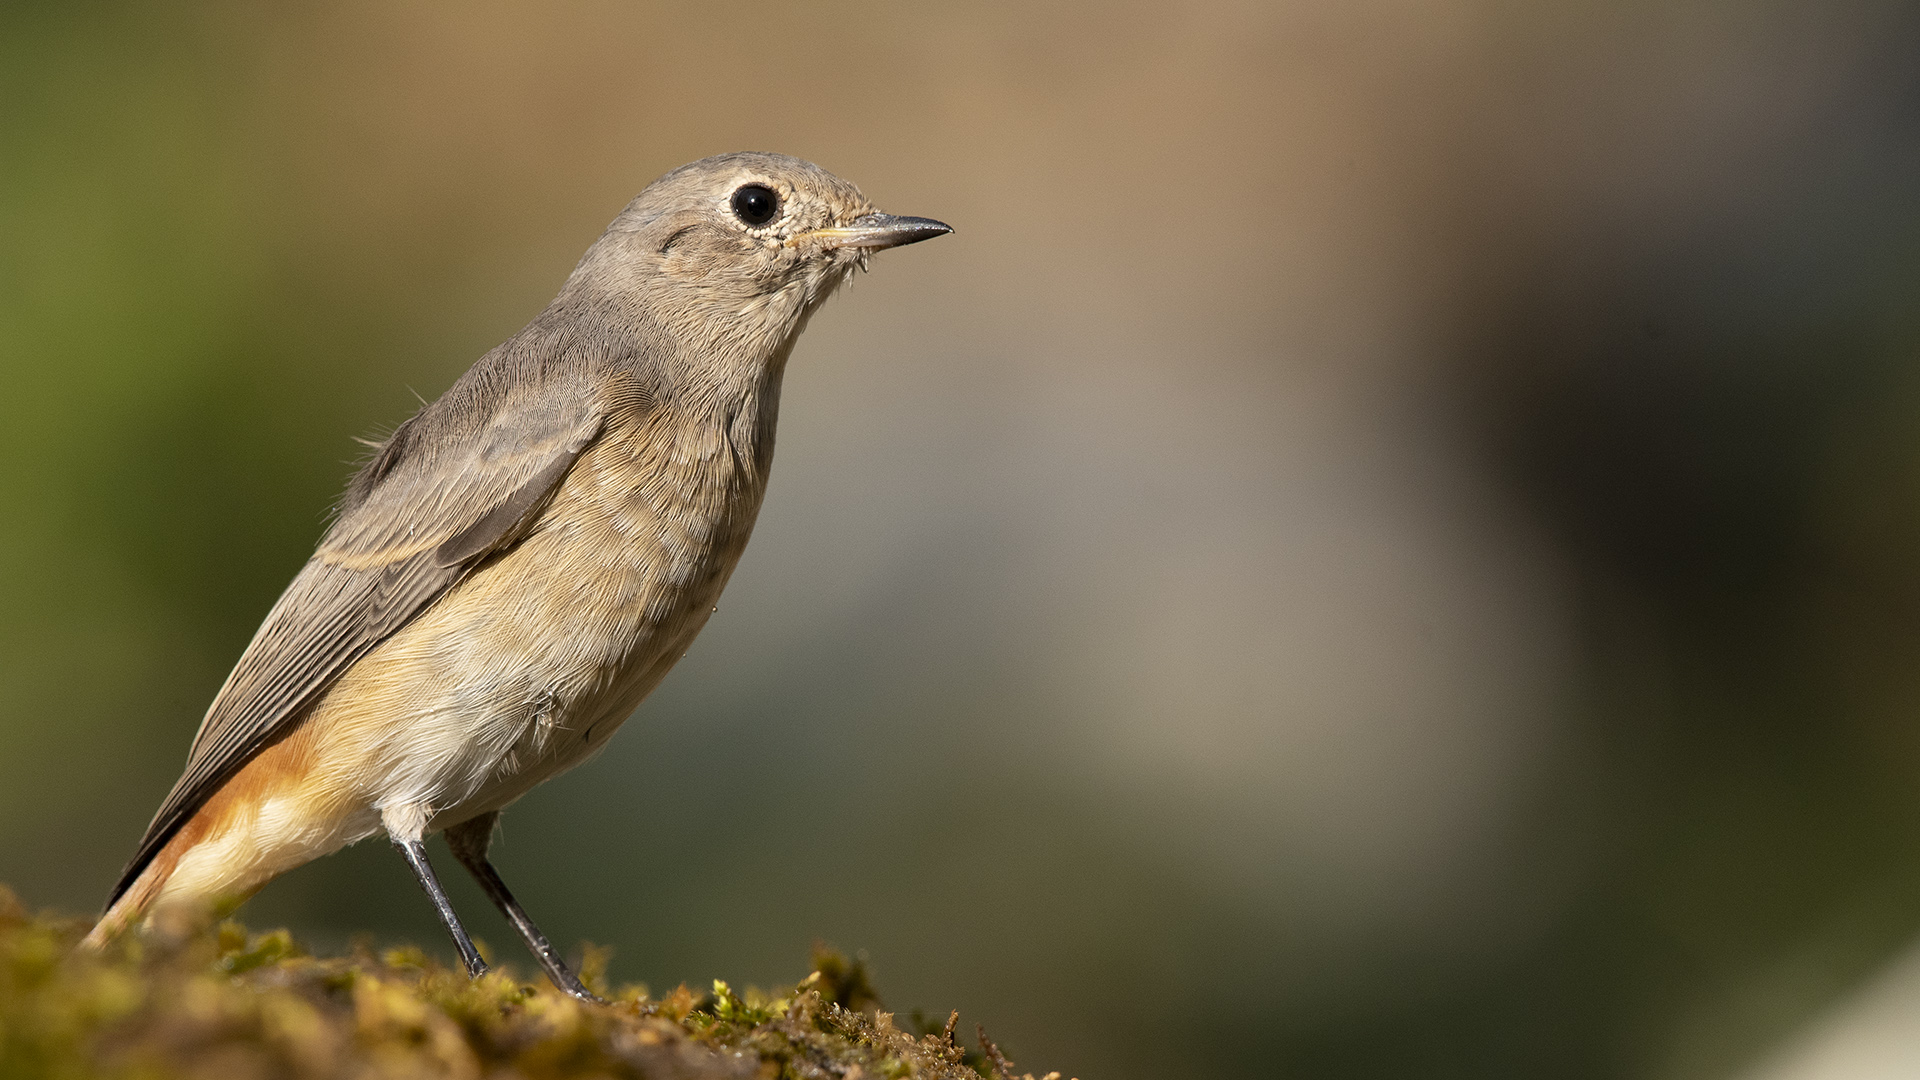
1387	546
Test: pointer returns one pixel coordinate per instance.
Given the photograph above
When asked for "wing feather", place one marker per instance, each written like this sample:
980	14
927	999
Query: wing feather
416	521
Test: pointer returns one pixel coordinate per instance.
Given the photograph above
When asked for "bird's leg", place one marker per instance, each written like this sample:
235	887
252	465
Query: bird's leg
415	852
469	841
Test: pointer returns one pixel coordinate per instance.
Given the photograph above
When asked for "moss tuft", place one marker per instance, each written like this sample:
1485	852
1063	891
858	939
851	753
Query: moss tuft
232	1004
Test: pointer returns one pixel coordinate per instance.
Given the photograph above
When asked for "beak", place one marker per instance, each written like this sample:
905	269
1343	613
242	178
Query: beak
876	231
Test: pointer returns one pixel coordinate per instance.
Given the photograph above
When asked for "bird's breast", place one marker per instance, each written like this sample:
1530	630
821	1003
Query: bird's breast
631	557
529	665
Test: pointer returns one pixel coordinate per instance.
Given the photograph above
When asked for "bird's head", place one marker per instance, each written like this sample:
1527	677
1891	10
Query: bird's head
737	251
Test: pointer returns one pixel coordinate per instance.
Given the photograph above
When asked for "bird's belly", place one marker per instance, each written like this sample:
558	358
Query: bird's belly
528	667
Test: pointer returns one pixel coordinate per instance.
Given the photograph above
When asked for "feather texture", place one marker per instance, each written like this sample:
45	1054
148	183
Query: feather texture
410	528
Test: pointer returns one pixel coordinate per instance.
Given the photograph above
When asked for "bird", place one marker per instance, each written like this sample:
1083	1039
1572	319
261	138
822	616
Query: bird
516	566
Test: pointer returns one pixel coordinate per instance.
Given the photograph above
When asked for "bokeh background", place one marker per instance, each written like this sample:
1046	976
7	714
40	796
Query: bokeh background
1388	545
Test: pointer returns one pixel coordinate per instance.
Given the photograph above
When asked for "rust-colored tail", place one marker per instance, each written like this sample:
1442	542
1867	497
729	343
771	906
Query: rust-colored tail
130	905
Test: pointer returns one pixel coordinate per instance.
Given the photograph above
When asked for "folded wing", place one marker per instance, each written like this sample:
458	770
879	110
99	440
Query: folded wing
447	489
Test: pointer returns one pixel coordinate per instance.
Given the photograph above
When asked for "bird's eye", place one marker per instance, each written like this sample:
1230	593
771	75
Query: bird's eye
755	204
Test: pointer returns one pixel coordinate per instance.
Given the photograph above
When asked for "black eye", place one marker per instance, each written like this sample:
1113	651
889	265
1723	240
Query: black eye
756	204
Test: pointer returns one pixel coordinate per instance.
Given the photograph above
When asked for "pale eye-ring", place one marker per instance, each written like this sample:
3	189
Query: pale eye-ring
755	204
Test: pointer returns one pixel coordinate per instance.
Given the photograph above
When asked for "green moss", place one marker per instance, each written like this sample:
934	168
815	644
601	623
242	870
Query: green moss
230	1004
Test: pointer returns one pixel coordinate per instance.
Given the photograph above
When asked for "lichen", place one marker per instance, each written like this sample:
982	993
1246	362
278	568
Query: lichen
235	1005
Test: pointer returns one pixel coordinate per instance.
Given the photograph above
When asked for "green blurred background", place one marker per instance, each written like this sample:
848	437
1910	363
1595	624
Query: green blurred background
1387	546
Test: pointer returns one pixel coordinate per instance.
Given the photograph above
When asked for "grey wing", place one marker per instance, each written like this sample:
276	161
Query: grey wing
415	522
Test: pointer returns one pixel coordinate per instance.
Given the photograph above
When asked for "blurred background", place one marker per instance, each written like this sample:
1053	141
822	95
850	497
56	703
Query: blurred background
1387	546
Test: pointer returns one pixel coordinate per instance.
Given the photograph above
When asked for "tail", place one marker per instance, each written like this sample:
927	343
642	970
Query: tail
221	854
129	905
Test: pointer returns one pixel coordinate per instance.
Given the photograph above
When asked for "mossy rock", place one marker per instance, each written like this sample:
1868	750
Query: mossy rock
234	1006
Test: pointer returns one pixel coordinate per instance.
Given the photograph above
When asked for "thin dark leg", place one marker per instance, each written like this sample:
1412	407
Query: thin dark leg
415	853
469	841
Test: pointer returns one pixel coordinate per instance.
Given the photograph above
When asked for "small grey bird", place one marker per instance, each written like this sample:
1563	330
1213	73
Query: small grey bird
520	563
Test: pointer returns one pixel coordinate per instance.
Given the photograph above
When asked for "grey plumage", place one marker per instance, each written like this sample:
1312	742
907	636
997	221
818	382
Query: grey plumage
635	412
